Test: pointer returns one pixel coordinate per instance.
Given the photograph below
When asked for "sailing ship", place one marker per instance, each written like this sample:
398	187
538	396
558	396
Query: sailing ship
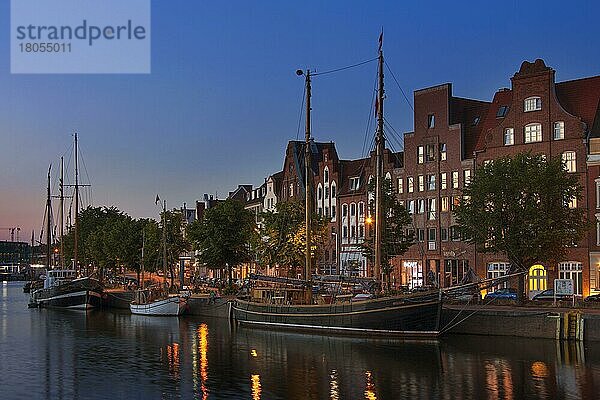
63	287
416	315
157	300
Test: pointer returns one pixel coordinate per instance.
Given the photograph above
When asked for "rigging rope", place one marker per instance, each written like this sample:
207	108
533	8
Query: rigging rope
331	71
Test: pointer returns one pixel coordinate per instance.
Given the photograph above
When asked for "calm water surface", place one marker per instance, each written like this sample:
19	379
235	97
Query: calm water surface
55	354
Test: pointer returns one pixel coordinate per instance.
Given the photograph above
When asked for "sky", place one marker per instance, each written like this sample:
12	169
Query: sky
223	98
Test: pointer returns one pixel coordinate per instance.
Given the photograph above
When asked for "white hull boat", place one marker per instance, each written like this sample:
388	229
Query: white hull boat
173	306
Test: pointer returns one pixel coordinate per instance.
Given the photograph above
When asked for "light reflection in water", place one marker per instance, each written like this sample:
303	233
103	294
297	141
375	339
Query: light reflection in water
370	389
256	387
334	392
203	343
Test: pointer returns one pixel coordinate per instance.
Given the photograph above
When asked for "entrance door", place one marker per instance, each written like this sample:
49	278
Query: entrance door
538	280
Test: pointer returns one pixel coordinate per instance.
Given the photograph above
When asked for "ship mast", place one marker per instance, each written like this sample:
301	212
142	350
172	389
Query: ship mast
48	222
307	181
164	240
62	214
379	150
76	194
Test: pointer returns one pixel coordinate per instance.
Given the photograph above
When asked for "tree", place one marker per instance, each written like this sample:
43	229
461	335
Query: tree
519	206
394	240
283	236
223	236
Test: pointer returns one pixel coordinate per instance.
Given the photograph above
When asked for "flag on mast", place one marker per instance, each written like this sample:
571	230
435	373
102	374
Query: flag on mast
157	200
381	39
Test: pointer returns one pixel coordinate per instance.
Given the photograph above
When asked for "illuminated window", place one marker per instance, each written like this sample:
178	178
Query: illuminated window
443	180
431	208
509	136
410	183
430	182
533	104
445	206
533	133
496	270
572	270
569	160
400	185
559	130
466	177
430	153
431	121
443	152
421	183
454	179
420	155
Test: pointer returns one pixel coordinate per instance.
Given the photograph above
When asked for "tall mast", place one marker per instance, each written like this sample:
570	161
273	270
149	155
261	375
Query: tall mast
308	183
142	261
76	206
164	240
62	213
48	222
380	148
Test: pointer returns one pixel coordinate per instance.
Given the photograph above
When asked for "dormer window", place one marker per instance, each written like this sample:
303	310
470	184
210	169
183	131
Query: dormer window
502	111
533	104
354	183
476	121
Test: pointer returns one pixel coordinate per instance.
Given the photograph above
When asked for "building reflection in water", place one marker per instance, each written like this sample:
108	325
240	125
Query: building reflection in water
255	387
173	360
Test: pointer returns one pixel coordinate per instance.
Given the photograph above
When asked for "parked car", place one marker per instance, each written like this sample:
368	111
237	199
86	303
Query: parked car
504	294
548	295
593	298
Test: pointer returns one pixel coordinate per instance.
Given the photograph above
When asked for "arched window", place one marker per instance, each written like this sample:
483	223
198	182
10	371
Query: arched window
333	192
353	209
533	103
326	175
319	193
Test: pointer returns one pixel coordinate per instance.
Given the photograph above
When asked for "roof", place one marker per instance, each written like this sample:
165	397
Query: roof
502	98
471	113
581	97
350	169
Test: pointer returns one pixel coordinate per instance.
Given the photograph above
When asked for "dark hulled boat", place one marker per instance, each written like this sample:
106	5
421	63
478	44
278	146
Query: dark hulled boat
402	315
62	289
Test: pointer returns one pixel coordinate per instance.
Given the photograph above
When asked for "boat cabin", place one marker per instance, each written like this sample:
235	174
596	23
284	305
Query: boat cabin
55	277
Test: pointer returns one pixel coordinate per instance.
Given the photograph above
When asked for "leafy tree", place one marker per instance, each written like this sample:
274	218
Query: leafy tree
283	236
223	236
394	241
519	206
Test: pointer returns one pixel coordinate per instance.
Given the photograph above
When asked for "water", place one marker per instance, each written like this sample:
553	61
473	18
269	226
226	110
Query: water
55	354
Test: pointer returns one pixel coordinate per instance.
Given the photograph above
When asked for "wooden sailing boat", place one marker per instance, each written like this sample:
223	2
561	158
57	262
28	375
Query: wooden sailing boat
404	315
156	300
63	287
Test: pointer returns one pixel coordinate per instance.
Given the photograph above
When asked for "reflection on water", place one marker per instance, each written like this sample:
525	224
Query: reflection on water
57	354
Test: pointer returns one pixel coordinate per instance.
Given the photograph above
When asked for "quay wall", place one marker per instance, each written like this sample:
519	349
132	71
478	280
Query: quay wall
570	324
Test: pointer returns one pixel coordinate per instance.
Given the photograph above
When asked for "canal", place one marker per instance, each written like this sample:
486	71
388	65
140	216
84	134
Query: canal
56	354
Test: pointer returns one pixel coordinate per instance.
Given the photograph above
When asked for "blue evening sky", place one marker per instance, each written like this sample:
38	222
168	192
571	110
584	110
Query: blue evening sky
223	98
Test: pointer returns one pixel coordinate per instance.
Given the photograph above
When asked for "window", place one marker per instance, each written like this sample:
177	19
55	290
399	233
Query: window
572	270
502	111
333	212
597	192
533	104
444	234
573	202
361	209
443	152
326	175
421	183
431	121
455	202
344	210
410	182
466	177
352	209
454	179
421	235
291	190
445	206
443	180
333	190
455	233
496	270
533	133
319	193
411	207
327	211
361	231
400	185
475	121
431	238
430	182
598	233
420	155
354	183
320	211
326	192
431	209
569	160
430	153
509	136
344	232
420	206
353	232
559	130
